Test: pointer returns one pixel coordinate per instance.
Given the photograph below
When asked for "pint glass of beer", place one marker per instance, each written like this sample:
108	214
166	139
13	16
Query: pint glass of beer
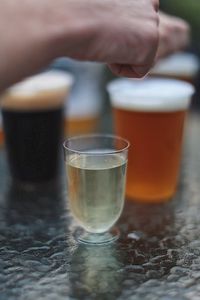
151	114
33	121
182	66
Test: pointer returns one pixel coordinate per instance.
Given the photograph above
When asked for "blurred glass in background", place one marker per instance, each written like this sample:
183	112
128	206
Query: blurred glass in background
84	107
183	66
1	130
188	10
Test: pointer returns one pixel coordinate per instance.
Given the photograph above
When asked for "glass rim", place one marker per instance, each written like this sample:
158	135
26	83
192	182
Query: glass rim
108	136
150	94
65	80
126	86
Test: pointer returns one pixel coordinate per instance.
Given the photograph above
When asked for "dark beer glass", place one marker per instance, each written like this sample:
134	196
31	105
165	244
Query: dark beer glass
33	121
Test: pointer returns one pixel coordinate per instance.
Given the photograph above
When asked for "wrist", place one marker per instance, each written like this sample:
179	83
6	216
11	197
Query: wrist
68	35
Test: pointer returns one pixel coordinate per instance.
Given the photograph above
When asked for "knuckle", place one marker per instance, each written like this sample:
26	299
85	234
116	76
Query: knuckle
152	36
156	4
148	45
156	18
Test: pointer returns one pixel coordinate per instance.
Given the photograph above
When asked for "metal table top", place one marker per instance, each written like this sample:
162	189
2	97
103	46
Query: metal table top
157	256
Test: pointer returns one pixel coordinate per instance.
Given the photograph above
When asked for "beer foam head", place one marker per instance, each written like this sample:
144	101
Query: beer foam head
180	64
150	94
43	91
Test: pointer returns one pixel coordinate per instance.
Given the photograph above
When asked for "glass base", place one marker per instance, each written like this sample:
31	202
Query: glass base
88	238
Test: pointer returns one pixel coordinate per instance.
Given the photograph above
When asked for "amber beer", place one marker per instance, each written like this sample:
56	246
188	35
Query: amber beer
77	126
151	114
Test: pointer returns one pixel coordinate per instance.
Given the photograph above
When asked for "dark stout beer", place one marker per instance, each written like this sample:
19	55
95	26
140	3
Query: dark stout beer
33	122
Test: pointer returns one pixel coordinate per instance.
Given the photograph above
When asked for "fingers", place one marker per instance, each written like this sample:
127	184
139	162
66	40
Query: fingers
183	30
174	35
129	71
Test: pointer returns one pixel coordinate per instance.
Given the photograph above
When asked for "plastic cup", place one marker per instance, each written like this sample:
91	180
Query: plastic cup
151	115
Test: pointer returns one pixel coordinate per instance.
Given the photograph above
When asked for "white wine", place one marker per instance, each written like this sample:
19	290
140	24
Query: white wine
96	187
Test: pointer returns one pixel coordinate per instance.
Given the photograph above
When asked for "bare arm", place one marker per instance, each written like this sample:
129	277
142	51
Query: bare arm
120	33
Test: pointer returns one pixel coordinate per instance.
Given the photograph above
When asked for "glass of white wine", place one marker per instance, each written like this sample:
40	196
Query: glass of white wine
96	179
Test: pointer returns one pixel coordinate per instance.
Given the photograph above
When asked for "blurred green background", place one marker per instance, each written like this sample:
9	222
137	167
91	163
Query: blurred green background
190	11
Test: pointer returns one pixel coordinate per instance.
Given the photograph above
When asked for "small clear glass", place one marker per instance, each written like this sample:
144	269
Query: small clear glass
96	179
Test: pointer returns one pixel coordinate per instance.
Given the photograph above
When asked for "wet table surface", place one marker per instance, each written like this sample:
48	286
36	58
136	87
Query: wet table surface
157	256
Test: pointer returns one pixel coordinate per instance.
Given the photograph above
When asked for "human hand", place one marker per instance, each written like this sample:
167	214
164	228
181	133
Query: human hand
123	34
174	35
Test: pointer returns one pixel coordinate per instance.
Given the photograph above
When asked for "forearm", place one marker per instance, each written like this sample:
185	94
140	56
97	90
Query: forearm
33	32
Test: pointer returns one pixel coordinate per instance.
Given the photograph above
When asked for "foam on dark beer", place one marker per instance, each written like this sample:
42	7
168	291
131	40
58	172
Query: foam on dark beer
40	92
33	119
